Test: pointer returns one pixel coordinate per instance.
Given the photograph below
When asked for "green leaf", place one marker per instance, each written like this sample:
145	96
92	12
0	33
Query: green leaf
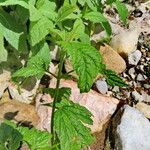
63	92
35	14
35	139
122	10
97	17
47	8
12	30
113	79
3	51
109	2
64	12
91	4
37	65
82	2
77	31
10	138
39	30
86	62
72	116
14	2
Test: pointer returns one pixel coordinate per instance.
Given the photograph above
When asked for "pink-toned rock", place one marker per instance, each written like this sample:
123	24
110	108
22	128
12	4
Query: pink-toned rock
102	107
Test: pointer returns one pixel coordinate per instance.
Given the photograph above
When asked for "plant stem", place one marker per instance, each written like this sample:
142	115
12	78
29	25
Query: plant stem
56	96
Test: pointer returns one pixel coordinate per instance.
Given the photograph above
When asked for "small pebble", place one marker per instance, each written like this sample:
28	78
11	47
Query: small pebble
140	77
147	86
134	57
102	86
132	72
138	13
116	89
137	96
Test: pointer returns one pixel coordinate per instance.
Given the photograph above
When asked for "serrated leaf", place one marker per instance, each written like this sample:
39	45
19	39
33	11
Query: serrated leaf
47	8
14	2
122	10
97	17
37	65
86	62
72	116
78	29
113	79
39	30
35	14
35	139
64	12
10	138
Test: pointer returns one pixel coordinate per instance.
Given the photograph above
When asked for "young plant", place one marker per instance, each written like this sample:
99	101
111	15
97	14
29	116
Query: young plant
31	26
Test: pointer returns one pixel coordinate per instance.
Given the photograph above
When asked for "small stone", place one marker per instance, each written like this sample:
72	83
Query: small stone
102	86
112	59
134	57
140	77
116	89
137	13
126	41
133	133
137	96
145	96
144	108
132	72
147	86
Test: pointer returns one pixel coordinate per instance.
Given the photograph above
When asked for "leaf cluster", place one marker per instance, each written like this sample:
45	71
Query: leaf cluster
27	30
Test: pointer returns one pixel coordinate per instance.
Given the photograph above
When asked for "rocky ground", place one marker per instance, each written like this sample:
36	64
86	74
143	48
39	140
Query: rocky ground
120	114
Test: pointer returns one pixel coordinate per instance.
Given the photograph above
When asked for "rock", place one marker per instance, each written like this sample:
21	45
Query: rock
116	89
145	96
18	112
134	57
140	77
102	86
3	86
4	81
102	107
125	42
137	96
147	86
132	72
144	108
27	90
133	131
111	58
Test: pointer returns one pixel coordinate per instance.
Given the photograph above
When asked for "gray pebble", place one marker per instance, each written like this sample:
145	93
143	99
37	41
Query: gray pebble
137	96
134	57
102	86
147	86
140	77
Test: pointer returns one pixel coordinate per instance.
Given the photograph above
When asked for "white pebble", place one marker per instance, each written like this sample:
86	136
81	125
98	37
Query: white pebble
102	86
134	57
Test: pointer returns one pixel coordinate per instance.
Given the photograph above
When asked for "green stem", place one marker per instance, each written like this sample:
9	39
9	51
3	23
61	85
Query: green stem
56	96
